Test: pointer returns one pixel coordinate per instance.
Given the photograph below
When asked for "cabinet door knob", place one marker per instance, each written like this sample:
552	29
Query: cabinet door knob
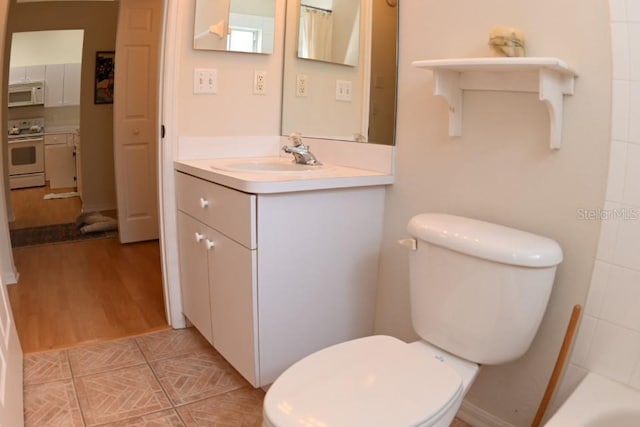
136	131
199	237
203	202
210	244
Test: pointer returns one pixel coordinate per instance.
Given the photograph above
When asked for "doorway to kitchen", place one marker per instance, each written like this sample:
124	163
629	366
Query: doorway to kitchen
43	141
95	289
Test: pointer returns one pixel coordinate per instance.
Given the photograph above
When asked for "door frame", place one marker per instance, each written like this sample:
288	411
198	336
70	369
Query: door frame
167	151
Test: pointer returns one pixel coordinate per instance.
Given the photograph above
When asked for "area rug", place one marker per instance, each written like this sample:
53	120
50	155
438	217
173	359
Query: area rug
54	234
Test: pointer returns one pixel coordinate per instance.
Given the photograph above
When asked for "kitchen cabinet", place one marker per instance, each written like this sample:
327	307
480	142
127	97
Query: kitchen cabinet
79	182
62	85
32	73
60	160
271	278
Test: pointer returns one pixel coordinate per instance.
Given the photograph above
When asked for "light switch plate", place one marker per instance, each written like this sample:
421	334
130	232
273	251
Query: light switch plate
205	81
343	90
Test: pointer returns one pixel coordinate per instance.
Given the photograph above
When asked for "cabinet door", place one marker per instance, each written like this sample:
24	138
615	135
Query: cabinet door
232	277
60	165
71	84
34	73
54	86
194	274
16	75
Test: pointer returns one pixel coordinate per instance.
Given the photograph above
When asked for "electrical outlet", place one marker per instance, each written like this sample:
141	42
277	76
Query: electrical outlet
302	88
260	82
205	81
343	90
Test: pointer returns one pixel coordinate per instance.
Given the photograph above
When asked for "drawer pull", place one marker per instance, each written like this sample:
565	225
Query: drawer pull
199	237
203	202
210	244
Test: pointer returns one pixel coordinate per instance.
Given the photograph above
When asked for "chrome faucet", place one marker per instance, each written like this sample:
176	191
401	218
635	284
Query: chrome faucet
300	152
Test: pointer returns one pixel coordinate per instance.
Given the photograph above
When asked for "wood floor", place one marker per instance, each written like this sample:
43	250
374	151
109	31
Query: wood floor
30	209
80	292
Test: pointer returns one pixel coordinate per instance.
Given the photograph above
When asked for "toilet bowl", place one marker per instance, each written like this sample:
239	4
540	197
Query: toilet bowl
478	294
372	381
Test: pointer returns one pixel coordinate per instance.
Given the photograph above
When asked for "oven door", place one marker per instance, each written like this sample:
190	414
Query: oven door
26	156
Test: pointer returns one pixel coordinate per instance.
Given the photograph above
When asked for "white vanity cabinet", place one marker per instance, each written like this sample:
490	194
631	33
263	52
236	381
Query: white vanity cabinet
217	268
287	273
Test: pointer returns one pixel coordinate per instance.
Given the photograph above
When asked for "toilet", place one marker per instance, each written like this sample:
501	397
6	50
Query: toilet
478	293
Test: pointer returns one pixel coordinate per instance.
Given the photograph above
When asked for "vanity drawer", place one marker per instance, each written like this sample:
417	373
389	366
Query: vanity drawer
231	212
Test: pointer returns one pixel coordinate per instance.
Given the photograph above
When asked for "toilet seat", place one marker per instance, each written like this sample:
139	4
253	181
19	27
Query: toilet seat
372	381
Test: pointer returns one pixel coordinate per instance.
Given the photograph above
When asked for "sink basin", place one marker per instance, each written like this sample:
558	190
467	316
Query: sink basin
276	165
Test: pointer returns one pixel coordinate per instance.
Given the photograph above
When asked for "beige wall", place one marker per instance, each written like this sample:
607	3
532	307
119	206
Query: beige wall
234	110
99	20
46	47
502	169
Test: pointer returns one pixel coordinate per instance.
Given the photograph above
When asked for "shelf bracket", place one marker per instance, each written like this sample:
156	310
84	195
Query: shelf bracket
553	87
447	85
550	77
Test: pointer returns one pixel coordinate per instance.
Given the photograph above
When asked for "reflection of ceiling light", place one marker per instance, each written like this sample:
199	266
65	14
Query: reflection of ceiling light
392	3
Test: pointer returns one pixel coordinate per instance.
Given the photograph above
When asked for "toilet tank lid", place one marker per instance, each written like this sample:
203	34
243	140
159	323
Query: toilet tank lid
485	240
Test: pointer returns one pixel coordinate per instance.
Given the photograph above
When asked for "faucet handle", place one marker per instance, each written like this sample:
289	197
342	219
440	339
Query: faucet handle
295	138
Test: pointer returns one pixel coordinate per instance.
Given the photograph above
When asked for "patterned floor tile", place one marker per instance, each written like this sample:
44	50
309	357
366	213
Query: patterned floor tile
239	408
159	419
196	376
119	395
51	404
171	343
46	367
104	357
457	422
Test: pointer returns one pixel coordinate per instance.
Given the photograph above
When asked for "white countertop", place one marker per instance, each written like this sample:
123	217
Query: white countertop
327	176
61	129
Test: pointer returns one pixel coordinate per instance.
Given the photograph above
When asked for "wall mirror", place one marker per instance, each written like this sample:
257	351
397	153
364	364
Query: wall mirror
341	100
329	30
235	25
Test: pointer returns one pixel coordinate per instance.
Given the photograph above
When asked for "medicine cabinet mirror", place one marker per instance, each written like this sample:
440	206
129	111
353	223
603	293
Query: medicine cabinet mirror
329	30
235	25
340	70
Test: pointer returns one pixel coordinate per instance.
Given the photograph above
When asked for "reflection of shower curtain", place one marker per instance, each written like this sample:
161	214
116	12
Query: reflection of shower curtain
316	27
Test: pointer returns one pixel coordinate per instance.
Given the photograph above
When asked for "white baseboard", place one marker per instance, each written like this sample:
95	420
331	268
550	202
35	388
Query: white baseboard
10	277
99	207
477	417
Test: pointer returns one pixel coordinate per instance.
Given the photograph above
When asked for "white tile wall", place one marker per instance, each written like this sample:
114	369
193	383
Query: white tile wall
609	338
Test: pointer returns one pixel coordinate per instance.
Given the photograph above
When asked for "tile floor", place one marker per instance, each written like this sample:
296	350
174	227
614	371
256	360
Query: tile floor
167	378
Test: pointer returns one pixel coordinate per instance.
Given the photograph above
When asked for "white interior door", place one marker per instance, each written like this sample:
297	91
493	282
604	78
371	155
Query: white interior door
135	118
11	409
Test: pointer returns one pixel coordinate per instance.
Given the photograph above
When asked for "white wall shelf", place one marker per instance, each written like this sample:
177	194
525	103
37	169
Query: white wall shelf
550	77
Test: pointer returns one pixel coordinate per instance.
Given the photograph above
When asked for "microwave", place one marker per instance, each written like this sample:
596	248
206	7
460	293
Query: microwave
21	94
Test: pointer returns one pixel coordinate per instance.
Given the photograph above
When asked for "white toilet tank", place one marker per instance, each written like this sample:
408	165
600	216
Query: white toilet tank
479	290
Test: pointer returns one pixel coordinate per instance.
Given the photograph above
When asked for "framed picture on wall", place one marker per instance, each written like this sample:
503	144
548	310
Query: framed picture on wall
105	66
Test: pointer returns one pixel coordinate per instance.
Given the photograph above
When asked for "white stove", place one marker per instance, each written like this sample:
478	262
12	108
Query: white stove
26	152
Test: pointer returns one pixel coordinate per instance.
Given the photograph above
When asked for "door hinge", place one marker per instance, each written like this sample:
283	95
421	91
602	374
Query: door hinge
161	131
